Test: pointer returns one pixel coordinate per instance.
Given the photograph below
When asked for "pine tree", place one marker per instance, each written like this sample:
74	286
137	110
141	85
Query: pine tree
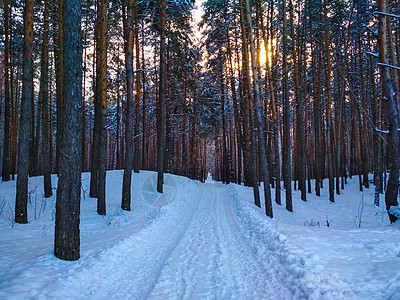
67	238
21	202
44	99
128	46
161	103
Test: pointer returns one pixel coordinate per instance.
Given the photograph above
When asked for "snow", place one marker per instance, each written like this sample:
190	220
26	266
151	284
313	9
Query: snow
202	241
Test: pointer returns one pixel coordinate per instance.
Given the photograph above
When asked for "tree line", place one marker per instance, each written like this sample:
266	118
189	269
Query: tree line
273	92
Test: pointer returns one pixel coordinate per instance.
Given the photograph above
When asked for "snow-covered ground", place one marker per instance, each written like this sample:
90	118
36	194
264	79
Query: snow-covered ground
202	241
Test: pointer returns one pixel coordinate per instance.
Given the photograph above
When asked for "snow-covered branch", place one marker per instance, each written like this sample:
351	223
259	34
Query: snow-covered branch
386	14
376	55
389	66
381	131
143	70
374	32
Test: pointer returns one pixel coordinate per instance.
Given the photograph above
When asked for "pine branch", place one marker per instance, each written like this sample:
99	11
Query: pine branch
388	66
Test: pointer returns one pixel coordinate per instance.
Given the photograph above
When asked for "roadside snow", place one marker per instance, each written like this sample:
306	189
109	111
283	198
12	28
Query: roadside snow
201	241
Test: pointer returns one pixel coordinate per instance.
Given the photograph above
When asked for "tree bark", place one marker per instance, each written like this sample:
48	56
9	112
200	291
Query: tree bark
249	111
59	57
161	104
287	164
102	52
67	240
329	129
260	121
128	34
95	159
5	170
391	114
21	215
44	99
137	160
300	120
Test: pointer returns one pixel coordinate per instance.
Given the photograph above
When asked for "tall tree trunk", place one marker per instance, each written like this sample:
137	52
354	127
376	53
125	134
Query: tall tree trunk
59	57
5	171
137	161
118	143
102	52
260	121
317	103
376	136
44	99
301	163
67	241
329	129
95	159
14	105
364	142
84	133
275	111
225	162
21	202
391	114
287	164
249	111
340	137
128	45
161	104
239	137
144	114
14	101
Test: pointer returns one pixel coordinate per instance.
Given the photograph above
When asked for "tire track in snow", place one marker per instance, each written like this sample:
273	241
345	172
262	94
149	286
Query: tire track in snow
256	253
222	257
129	269
282	270
207	245
193	269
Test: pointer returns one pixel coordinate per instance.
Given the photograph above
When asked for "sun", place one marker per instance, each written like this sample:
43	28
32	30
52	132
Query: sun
263	52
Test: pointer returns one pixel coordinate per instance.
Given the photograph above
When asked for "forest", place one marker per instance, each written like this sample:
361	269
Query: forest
268	94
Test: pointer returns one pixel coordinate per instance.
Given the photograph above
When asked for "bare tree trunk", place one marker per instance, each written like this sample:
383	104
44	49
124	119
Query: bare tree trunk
249	111
300	155
317	104
94	172
21	202
144	114
287	164
5	170
275	112
102	52
137	160
84	133
44	99
376	138
161	104
14	103
260	121
329	129
118	150
67	241
364	141
239	136
391	114
128	37
59	56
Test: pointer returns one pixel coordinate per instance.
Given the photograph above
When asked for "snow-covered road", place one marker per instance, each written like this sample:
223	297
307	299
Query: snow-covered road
199	241
216	257
199	245
199	248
